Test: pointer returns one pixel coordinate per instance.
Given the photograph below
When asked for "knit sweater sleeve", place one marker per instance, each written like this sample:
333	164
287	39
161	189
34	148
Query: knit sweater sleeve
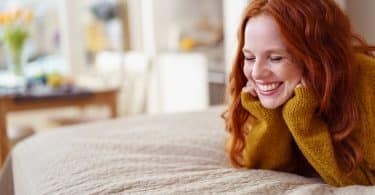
314	140
268	141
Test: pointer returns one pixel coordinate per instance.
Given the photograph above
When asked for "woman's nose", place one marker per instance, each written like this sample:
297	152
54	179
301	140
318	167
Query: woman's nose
259	70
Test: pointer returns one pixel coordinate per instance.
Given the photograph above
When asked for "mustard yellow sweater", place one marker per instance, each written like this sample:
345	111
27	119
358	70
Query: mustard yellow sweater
271	138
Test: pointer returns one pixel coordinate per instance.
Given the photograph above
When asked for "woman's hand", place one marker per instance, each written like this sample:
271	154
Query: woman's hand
303	103
302	83
250	88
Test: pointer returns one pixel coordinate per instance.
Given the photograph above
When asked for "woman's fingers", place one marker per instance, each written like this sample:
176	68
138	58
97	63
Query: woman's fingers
249	88
302	83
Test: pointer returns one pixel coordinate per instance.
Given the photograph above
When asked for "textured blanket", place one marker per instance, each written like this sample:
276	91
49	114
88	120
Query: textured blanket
164	154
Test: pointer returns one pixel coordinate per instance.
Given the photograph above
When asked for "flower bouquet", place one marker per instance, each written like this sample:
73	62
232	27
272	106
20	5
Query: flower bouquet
15	33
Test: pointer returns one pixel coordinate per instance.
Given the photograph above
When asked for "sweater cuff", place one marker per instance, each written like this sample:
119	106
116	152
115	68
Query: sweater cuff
307	95
304	103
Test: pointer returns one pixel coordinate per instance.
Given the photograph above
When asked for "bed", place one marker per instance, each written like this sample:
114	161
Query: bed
159	154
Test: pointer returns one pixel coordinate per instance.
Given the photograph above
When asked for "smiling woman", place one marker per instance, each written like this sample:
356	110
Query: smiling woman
301	92
271	73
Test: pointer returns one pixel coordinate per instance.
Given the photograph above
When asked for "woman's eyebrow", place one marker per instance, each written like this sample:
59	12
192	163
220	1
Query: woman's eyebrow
277	50
244	50
272	50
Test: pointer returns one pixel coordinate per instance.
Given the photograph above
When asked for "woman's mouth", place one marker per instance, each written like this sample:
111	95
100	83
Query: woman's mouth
268	89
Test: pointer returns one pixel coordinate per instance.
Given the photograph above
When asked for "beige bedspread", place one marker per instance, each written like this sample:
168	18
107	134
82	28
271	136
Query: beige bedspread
165	154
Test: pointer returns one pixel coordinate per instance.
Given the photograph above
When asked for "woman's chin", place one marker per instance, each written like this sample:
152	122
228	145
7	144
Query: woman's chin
269	104
275	101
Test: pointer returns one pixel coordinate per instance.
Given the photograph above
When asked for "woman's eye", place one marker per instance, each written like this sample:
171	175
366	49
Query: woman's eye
250	59
276	59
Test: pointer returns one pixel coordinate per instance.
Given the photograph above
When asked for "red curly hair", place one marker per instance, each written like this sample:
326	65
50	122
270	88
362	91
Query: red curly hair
318	34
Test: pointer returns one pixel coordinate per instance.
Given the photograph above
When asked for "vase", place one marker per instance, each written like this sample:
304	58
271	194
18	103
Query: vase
15	60
15	38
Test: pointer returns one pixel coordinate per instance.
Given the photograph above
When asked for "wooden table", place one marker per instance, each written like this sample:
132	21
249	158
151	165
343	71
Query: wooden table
12	103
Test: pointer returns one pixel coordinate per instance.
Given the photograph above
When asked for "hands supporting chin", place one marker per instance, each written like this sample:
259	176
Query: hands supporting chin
299	108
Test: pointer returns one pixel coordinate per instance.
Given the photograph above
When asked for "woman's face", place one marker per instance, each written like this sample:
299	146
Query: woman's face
268	66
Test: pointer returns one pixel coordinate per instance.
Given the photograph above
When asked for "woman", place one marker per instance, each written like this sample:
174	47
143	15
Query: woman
302	88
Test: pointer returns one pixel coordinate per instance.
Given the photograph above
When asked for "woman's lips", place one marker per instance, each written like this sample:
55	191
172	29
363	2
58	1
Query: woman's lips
268	89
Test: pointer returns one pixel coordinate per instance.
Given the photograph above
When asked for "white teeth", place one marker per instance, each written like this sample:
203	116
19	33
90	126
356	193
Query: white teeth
268	87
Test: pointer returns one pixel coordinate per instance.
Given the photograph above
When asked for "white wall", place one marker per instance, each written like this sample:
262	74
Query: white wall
173	16
232	15
152	23
72	39
342	4
135	24
362	15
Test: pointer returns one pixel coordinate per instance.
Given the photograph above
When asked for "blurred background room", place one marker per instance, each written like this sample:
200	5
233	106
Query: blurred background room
158	56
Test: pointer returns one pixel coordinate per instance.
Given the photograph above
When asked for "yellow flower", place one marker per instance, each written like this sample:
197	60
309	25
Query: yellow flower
28	16
2	19
17	14
12	17
7	19
187	43
55	80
